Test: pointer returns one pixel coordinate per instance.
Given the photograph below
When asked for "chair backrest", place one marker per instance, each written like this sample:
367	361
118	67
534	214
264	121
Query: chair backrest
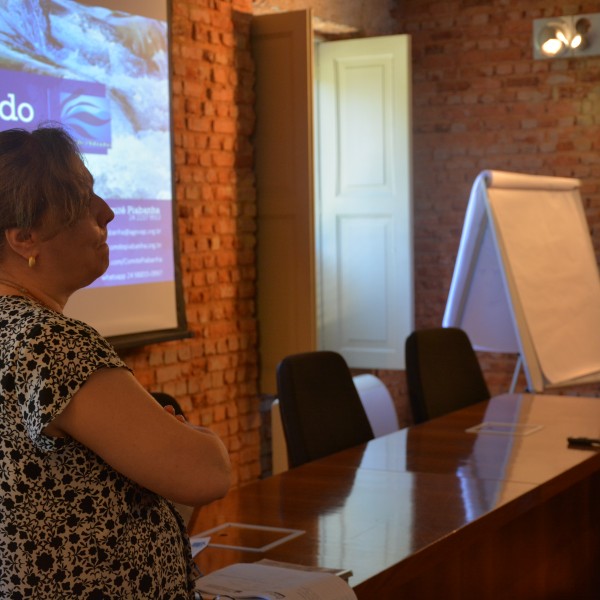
378	404
376	400
442	372
320	408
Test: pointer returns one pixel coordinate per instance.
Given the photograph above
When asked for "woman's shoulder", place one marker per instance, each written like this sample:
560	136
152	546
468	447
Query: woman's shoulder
28	322
27	312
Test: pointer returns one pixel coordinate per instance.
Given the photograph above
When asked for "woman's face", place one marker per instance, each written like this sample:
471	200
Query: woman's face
78	254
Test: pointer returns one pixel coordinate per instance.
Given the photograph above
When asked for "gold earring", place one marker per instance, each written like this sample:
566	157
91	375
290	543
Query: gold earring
31	262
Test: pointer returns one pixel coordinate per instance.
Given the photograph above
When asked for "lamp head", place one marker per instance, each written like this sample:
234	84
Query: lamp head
553	39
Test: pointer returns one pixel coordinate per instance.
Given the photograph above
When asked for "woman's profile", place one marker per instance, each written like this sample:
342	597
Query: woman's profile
89	461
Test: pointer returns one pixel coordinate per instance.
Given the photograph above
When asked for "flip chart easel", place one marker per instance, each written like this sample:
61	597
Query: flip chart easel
526	278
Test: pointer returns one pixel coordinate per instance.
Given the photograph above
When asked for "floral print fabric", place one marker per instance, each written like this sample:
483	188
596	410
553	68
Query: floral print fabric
70	525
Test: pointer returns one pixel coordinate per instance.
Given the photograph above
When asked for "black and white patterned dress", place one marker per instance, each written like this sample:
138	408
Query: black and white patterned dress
70	525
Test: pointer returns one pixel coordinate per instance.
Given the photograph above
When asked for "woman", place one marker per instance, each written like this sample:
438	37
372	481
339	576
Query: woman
87	456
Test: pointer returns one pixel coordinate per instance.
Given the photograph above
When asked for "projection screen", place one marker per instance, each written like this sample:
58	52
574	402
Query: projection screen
101	69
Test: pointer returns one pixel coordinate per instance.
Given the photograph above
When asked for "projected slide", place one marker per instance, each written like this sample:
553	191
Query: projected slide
101	69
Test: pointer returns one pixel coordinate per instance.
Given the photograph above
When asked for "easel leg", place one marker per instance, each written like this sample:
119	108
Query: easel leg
515	376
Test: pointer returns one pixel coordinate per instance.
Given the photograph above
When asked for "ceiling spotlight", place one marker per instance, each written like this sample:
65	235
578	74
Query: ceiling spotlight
576	35
553	39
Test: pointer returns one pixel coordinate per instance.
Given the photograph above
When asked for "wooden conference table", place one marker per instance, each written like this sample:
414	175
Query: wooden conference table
434	511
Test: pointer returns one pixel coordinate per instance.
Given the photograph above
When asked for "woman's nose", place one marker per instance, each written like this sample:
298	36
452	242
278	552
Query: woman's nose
105	214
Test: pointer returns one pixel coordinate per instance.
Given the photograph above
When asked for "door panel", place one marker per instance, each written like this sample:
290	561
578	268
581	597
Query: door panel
364	215
283	141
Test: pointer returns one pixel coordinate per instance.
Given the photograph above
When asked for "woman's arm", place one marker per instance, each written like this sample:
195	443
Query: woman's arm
115	417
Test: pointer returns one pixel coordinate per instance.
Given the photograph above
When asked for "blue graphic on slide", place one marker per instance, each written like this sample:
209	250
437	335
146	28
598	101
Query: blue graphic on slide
87	116
82	107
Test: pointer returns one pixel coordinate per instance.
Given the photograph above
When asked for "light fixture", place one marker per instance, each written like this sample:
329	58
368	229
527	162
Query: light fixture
577	35
553	40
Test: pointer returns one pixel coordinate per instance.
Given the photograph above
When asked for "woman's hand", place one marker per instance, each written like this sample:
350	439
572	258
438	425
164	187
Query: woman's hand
171	410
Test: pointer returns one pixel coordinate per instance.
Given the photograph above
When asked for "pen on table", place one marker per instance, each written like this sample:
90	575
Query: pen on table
583	441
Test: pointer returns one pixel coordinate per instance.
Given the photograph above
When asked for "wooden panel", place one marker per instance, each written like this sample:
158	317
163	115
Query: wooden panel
549	551
283	141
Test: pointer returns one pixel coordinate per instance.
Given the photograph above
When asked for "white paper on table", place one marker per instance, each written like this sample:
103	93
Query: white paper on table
262	582
198	544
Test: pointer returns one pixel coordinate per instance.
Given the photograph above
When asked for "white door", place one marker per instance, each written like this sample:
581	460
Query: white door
364	213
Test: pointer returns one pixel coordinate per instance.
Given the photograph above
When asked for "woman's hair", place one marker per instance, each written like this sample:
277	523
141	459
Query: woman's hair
41	172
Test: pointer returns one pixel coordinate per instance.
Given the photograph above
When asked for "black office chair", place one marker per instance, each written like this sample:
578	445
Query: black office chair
321	410
442	372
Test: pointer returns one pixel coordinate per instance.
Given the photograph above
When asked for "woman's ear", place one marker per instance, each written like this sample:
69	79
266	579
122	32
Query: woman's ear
21	241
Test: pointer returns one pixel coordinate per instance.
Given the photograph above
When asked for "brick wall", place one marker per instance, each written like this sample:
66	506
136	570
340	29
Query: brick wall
213	374
482	102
